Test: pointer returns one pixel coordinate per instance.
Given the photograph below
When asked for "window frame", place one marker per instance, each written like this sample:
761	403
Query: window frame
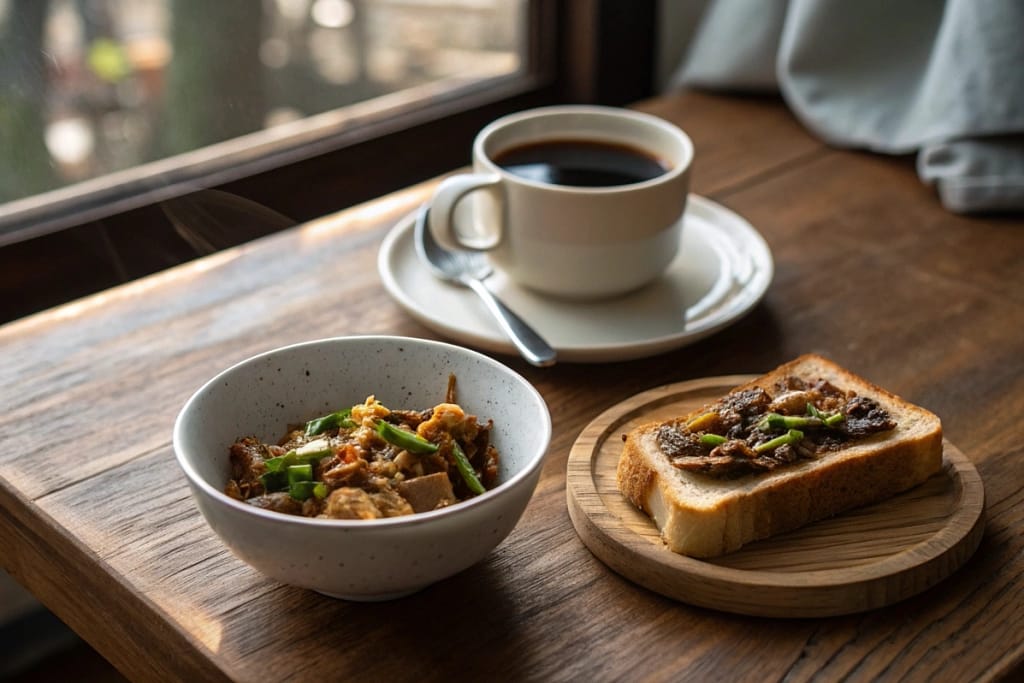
582	51
579	51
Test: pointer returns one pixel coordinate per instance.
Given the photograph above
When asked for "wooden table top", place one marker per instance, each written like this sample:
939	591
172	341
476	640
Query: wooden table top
96	518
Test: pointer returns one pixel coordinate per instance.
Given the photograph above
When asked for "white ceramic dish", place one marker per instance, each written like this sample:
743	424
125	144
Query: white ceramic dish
361	559
722	270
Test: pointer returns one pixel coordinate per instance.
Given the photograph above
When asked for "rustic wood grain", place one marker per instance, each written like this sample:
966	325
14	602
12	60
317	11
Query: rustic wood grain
870	270
736	141
858	561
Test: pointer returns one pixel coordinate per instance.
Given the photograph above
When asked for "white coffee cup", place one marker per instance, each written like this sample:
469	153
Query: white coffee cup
568	240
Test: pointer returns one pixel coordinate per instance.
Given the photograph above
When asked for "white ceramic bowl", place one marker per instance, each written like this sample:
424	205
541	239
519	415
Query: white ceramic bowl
361	559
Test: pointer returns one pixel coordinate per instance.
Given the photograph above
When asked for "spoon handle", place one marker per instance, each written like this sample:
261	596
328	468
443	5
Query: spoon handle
531	345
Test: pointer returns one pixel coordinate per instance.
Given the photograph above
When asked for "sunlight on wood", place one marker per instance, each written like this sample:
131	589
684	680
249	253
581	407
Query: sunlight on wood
136	288
365	216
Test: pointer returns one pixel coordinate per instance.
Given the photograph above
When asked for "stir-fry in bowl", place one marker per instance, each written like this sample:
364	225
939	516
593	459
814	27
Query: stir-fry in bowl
339	406
368	461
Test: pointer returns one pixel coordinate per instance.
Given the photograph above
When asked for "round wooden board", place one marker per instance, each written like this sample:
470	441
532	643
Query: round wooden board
857	561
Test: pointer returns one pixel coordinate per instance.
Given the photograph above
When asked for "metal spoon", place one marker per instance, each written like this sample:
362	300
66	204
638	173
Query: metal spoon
469	268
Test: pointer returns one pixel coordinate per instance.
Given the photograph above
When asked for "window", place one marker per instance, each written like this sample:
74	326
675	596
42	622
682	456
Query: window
112	103
113	111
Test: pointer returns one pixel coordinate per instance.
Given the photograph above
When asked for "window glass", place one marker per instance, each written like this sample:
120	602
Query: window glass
100	94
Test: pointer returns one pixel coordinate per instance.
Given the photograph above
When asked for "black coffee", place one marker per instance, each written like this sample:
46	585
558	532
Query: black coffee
580	163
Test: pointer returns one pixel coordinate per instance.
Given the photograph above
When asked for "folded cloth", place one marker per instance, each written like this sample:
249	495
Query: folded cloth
940	78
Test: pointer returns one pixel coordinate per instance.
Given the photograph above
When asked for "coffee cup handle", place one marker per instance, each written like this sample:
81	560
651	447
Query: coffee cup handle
442	212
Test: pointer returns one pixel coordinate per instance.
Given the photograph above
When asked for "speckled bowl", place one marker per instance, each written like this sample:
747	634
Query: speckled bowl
361	559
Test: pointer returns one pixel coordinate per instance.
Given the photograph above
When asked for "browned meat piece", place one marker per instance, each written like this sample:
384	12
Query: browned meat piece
295	437
390	503
738	409
434	462
736	458
734	449
483	455
680	444
232	490
783	455
247	456
718	466
278	502
350	503
489	473
410	418
429	492
311	507
864	416
347	473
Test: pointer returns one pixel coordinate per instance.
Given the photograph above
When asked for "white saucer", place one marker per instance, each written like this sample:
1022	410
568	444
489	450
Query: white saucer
723	268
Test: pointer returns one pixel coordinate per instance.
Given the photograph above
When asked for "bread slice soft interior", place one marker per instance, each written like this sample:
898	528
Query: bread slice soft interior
701	516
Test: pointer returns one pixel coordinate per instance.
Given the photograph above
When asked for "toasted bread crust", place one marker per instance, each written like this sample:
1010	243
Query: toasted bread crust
701	517
636	478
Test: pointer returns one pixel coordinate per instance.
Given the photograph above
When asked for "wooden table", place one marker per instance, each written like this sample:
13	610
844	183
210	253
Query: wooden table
96	519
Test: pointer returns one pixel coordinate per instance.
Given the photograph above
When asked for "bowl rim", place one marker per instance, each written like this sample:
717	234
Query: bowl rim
502	490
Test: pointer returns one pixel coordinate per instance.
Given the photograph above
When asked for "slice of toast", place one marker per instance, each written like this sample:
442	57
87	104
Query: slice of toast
712	506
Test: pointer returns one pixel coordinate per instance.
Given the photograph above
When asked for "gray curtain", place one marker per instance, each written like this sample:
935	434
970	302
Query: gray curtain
940	78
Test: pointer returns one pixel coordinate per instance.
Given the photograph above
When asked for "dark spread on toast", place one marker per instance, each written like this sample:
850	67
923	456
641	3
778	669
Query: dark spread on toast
756	430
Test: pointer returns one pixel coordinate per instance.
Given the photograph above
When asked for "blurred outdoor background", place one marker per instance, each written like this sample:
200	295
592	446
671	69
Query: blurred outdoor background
92	87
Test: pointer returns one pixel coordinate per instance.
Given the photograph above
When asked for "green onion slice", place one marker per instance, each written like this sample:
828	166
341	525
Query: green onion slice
404	439
306	454
342	418
712	439
790	437
466	470
274	481
301	490
297	473
776	422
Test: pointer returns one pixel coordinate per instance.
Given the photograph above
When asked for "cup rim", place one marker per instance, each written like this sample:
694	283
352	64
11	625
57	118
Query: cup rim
678	169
